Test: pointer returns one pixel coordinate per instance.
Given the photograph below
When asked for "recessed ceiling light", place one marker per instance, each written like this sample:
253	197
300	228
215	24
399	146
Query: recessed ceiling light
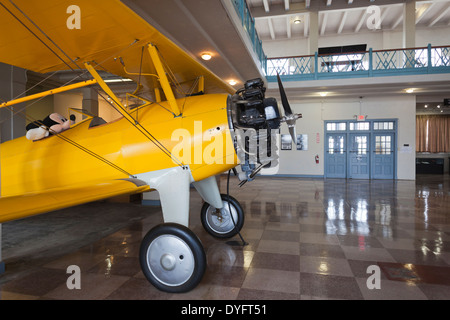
323	94
426	106
410	90
297	21
117	80
206	56
232	82
438	106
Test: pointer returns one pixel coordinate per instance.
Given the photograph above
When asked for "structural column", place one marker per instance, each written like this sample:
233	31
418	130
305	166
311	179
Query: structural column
2	264
12	124
409	33
12	84
313	35
409	24
90	101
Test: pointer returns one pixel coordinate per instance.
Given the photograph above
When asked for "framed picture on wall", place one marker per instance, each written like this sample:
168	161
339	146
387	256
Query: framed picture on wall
286	142
302	142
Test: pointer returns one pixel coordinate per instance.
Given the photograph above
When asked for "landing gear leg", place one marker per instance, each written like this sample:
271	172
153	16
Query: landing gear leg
172	258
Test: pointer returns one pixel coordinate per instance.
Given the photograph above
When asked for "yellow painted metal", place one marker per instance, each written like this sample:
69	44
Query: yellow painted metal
21	206
46	167
109	29
201	84
157	95
49	92
108	91
163	80
29	167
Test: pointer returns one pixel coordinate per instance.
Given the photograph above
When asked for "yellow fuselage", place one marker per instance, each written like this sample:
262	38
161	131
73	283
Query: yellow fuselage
37	166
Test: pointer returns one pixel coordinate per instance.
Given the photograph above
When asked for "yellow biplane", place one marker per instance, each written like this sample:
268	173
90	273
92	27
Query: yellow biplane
138	152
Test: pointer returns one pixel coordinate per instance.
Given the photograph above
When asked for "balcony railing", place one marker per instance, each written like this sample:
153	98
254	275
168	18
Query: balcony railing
248	23
372	63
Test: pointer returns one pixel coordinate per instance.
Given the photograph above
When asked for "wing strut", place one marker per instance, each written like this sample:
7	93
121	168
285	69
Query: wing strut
127	116
163	79
48	93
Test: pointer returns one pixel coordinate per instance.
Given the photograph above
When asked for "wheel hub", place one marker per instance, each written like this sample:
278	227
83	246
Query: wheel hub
220	219
170	260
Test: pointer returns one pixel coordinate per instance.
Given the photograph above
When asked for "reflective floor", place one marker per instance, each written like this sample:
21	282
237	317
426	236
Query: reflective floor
307	239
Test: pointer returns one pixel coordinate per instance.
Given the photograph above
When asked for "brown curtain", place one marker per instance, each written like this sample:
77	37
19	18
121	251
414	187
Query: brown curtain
432	133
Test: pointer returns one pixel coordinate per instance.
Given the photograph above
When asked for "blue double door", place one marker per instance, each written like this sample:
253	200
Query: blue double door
360	155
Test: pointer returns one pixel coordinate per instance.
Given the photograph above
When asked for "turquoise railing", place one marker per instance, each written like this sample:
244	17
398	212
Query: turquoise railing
370	63
248	23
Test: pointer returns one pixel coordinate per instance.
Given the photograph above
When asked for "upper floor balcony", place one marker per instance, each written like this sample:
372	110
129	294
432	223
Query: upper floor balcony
366	64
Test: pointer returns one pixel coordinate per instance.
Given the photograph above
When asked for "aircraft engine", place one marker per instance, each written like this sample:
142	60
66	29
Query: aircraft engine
255	124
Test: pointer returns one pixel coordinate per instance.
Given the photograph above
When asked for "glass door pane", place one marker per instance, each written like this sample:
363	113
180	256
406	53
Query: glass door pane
359	156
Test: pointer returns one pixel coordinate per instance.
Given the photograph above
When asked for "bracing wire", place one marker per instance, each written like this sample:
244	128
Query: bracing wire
143	130
75	144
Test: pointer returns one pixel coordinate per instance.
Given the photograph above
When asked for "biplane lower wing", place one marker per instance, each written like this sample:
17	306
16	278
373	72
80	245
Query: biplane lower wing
16	207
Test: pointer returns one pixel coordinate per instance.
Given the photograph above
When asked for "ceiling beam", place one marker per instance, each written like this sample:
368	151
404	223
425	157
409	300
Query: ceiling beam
271	29
341	25
423	10
288	27
279	9
306	26
397	22
362	19
439	16
383	16
324	23
266	5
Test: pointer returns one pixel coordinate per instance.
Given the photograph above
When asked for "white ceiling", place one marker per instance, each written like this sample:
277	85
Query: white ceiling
205	25
274	19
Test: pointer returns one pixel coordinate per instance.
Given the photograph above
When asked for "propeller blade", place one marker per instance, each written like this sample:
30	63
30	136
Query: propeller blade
290	118
284	100
292	131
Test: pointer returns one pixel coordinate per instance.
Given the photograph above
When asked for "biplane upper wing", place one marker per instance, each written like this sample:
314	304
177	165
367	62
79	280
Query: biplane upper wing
21	206
42	36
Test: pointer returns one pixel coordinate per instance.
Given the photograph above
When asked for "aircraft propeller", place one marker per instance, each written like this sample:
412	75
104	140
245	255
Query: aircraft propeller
289	117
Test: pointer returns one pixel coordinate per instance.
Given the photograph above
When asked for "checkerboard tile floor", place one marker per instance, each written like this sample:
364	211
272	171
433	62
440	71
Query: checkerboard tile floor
307	239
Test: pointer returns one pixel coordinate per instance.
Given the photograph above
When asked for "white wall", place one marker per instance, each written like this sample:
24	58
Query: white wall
64	101
403	108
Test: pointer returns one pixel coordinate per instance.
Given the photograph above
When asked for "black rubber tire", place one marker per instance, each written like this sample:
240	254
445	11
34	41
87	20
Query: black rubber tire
181	234
238	222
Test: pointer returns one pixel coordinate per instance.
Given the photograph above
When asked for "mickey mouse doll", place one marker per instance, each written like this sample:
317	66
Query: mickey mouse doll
52	124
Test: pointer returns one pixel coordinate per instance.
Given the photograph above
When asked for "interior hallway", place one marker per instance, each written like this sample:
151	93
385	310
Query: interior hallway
307	239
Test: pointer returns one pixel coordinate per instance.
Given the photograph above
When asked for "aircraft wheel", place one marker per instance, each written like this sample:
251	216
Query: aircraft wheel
172	258
221	223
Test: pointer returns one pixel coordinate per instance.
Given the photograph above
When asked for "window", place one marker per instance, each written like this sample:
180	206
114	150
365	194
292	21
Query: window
383	145
383	125
361	145
359	126
336	145
336	126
